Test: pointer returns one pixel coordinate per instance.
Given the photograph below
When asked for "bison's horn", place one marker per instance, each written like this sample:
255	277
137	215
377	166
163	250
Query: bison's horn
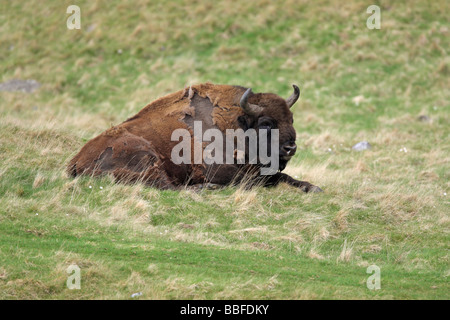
191	93
294	97
250	109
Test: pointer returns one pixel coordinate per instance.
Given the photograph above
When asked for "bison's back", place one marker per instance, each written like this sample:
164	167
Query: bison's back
144	140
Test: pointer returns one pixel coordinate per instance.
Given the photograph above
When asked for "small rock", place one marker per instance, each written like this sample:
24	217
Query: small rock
91	27
358	99
137	294
360	146
424	118
27	86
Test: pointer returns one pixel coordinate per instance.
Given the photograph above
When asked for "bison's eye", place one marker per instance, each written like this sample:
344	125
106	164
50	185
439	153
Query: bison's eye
266	124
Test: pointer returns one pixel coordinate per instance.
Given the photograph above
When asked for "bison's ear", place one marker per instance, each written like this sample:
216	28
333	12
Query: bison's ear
250	109
294	97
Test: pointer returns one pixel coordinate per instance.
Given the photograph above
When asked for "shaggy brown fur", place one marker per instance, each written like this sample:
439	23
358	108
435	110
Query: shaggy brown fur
139	149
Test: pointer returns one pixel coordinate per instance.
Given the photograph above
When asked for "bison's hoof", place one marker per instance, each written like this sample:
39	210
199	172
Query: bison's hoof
311	189
208	186
315	189
212	186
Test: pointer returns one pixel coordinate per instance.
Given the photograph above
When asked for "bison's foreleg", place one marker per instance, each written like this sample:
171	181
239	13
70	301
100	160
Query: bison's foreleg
279	177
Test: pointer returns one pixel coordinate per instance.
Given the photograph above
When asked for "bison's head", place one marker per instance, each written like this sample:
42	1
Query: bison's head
270	111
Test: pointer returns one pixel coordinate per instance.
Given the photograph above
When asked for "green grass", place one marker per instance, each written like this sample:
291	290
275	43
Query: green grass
382	206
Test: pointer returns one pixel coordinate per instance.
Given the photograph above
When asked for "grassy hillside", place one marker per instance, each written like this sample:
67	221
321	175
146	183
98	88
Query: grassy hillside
386	206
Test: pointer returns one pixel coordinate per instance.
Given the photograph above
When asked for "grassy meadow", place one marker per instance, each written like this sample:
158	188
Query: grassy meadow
387	206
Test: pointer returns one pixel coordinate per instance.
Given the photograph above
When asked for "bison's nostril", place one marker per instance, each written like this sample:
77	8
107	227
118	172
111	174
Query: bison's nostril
290	149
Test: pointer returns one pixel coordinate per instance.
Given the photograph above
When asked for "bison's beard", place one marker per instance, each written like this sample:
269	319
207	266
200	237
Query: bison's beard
282	159
283	164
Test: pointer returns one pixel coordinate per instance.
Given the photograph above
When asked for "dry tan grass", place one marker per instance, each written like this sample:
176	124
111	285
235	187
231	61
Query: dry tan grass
346	253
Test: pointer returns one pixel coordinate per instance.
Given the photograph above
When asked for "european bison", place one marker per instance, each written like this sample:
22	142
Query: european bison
141	148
